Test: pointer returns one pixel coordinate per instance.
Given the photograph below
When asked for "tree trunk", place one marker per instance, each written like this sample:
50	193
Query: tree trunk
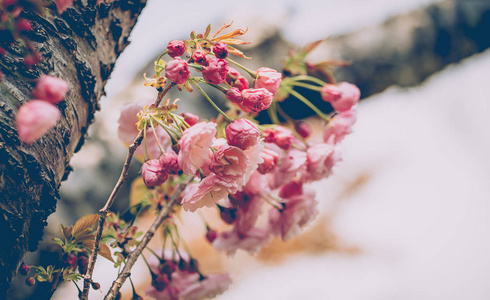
81	47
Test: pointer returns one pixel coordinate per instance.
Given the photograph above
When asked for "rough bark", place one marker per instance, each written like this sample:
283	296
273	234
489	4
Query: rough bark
81	47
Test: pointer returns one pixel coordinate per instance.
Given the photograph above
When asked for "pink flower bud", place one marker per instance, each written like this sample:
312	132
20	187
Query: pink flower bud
62	5
242	133
269	79
330	93
241	83
189	118
220	50
23	25
35	118
24	270
176	48
340	126
227	214
30	281
50	89
200	57
211	235
153	173
170	162
216	72
291	189
342	97
280	136
177	70
256	100
350	96
303	129
234	95
270	161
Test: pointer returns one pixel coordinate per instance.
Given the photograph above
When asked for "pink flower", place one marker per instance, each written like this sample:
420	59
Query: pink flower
247	213
291	164
291	189
269	79
236	79
200	57
177	70
208	287
231	241
220	50
350	96
170	162
34	119
189	118
153	173
256	100
229	162
320	160
234	95
194	146
207	192
62	5
270	158
176	48
50	89
255	160
242	133
127	130
330	93
299	211
303	129
280	136
216	72
256	184
339	126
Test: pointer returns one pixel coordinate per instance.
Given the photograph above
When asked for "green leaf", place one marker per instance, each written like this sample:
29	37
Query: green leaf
208	30
59	242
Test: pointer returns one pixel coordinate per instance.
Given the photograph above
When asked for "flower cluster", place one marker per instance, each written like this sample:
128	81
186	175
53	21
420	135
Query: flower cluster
240	167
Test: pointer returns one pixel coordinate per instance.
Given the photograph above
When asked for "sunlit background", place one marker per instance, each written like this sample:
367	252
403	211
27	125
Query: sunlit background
406	215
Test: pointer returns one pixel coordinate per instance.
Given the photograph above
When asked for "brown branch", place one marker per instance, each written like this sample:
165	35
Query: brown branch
162	216
105	210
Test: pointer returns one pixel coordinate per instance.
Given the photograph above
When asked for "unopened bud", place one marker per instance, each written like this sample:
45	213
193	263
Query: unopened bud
303	129
190	119
234	95
95	285
30	281
176	48
211	235
220	50
24	270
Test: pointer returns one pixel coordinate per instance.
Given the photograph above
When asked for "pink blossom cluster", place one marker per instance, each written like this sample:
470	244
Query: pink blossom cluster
39	115
179	278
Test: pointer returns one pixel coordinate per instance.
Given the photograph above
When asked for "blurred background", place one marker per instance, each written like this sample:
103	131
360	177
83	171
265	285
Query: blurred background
406	215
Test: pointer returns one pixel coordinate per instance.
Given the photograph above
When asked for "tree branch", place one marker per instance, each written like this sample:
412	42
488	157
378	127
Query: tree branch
105	210
162	216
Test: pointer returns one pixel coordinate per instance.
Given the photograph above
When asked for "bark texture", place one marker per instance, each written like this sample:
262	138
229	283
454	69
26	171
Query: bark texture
81	47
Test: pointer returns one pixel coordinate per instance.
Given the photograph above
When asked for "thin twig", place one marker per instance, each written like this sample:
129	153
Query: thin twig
105	210
162	216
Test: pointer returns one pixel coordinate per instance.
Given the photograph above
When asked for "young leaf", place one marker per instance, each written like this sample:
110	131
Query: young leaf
104	250
208	29
85	222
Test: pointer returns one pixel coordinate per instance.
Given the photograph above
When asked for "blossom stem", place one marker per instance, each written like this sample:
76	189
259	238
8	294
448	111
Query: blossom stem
272	112
252	73
156	137
309	78
308	86
309	104
166	127
146	145
213	104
